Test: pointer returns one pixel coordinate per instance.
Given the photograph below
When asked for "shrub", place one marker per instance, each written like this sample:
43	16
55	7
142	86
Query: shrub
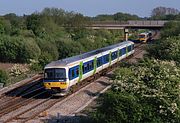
3	77
171	29
49	48
69	48
31	50
18	69
147	92
166	49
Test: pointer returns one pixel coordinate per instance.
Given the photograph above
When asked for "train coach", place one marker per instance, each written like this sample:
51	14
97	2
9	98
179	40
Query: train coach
60	75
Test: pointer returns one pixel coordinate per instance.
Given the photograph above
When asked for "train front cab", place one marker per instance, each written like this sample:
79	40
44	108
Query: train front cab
56	80
143	38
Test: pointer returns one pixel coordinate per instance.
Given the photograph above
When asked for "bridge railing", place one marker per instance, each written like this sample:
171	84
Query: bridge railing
109	22
133	22
147	22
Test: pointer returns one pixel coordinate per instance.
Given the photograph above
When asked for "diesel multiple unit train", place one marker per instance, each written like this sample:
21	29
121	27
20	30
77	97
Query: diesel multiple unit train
60	75
145	37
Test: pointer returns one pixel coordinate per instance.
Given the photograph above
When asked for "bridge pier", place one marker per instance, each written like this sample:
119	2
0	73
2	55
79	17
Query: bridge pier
126	34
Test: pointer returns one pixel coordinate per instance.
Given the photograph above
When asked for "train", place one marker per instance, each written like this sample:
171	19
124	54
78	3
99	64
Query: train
61	75
145	37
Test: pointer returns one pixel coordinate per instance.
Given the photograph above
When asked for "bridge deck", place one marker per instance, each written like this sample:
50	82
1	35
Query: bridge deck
127	24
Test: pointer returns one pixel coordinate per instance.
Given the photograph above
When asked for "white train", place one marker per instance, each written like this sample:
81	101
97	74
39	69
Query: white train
60	75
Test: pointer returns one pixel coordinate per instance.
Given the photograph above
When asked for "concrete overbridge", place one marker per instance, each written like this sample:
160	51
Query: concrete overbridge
145	24
125	25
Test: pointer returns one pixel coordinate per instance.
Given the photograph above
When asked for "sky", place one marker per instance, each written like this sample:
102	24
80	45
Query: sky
141	8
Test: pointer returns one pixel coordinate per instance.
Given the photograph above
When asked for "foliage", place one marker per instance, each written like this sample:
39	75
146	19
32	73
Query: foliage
168	49
3	76
146	92
34	65
69	48
5	26
48	47
104	17
18	69
116	17
33	23
125	17
17	49
118	108
162	11
171	29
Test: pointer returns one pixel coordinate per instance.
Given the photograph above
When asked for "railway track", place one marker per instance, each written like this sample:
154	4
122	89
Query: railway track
37	104
20	101
19	93
20	86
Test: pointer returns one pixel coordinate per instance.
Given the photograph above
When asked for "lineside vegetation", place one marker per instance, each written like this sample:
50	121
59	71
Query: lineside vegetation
148	91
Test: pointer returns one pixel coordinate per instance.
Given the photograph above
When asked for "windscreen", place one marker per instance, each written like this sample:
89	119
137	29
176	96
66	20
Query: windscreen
55	73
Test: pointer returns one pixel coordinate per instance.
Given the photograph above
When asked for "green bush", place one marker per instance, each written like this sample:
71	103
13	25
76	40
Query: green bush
49	48
171	29
69	48
5	26
36	67
3	77
147	92
167	49
18	49
118	108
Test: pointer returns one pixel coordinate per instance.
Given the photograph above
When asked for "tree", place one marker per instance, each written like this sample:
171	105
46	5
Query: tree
5	26
18	49
161	11
104	17
33	22
124	17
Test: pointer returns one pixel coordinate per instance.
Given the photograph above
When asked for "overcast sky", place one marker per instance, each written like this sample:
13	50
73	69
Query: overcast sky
87	7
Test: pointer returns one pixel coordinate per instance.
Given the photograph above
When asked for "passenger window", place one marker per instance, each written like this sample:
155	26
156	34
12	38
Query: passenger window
114	55
77	72
124	50
106	58
84	68
129	48
91	65
73	75
88	66
120	52
99	62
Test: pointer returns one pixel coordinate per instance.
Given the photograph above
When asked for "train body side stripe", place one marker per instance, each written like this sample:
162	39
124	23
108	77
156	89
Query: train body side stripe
126	51
95	65
110	59
80	71
118	54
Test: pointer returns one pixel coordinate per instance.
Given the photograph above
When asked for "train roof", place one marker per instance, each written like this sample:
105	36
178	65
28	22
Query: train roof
69	60
144	33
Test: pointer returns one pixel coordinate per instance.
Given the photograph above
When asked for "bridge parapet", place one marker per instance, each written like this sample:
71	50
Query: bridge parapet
147	22
127	24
